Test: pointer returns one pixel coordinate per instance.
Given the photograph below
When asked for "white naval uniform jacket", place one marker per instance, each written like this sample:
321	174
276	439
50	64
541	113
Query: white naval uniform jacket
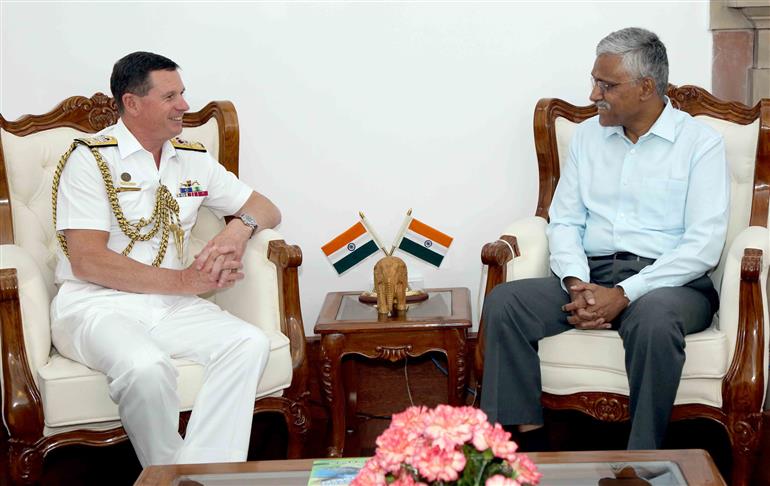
194	178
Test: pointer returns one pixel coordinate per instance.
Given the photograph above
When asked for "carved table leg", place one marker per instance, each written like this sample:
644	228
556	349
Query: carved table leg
457	378
331	377
350	372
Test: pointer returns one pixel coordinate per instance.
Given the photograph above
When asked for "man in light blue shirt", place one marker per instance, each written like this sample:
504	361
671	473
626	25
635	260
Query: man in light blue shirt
638	218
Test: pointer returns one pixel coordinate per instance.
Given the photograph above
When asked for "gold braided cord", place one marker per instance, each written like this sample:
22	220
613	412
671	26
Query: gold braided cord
164	217
55	194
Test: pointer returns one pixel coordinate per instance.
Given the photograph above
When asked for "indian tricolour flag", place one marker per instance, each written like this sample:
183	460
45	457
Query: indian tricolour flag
350	248
423	241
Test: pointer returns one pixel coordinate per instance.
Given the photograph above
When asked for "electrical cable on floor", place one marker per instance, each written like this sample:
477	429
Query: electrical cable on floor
409	390
446	373
370	416
406	376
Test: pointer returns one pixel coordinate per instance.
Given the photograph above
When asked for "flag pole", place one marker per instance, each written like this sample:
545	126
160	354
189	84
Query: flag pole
371	232
401	231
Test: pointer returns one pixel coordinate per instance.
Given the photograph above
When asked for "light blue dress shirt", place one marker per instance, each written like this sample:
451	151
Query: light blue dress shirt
665	197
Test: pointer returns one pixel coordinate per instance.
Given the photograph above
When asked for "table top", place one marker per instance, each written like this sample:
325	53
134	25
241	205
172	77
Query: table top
444	308
667	467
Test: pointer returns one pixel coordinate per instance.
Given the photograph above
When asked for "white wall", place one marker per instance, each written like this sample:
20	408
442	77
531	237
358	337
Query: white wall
344	107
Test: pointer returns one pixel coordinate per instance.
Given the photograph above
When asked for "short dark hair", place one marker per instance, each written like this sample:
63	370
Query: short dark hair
131	74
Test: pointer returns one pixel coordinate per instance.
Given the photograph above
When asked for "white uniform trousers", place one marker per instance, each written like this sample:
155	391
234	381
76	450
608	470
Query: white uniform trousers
131	338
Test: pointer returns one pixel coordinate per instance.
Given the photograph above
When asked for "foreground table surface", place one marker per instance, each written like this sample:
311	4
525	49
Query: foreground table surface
558	468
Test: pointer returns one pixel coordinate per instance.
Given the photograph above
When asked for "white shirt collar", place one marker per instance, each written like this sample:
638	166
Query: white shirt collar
129	145
664	127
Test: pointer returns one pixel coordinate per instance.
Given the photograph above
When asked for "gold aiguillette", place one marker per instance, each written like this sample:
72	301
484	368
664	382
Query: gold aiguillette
178	240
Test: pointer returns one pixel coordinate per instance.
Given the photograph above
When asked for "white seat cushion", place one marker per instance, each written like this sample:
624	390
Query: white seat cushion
74	394
599	365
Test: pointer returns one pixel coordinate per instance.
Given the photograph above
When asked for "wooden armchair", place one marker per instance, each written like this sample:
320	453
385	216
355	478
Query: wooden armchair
724	377
49	401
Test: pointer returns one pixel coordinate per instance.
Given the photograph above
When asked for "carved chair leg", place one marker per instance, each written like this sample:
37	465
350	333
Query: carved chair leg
744	435
743	464
296	413
25	463
297	425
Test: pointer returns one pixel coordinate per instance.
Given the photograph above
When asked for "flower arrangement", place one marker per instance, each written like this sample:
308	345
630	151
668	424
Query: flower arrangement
446	446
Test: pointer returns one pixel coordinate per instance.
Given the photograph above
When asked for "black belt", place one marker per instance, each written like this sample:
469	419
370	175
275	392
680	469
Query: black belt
621	255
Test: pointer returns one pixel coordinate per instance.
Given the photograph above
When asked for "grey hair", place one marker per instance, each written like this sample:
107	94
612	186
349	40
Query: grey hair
644	55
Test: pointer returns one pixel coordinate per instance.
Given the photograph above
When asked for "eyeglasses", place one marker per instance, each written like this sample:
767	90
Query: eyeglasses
604	87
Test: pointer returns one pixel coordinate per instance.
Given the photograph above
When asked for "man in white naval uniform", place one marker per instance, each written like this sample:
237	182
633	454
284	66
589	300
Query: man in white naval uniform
127	313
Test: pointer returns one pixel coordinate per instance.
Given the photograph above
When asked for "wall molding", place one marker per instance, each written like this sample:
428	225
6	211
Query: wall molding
741	49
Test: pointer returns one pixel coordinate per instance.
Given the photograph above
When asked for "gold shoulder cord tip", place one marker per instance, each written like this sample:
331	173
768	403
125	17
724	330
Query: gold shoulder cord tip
165	214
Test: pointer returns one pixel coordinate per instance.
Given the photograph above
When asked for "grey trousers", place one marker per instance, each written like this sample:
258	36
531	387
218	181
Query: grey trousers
518	314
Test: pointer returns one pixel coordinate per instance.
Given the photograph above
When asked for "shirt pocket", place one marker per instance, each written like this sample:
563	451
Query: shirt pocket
188	210
137	200
661	203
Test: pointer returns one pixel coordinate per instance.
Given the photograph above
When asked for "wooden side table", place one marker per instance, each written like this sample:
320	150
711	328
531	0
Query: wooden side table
347	326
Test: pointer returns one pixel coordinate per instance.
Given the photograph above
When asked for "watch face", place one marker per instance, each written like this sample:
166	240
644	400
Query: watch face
248	220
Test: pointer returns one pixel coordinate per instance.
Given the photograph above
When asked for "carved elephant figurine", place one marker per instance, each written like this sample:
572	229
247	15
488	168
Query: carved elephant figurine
390	283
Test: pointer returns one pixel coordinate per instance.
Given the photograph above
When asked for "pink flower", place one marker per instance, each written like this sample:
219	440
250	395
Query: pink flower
526	469
500	480
498	440
448	427
370	475
396	446
407	480
422	447
412	419
434	463
487	436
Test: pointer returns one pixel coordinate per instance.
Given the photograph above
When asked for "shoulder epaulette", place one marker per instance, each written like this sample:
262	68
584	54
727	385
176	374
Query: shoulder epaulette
187	145
98	141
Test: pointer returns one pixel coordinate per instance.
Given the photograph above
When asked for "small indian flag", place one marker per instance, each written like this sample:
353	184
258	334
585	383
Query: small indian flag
424	242
350	248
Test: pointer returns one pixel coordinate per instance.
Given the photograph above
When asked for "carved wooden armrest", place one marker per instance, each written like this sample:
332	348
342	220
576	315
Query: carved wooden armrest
22	407
287	259
743	385
496	256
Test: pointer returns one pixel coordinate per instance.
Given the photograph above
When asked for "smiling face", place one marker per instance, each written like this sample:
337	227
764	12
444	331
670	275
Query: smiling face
615	93
163	106
157	116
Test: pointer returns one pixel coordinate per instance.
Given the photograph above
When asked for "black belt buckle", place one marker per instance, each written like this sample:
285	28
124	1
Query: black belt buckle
627	256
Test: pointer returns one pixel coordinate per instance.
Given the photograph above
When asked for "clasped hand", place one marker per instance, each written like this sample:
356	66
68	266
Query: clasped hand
218	264
593	306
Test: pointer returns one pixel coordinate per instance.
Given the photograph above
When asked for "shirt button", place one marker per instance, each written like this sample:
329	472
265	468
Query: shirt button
633	151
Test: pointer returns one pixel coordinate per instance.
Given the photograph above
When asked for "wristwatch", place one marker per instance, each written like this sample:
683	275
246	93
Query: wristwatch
249	221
